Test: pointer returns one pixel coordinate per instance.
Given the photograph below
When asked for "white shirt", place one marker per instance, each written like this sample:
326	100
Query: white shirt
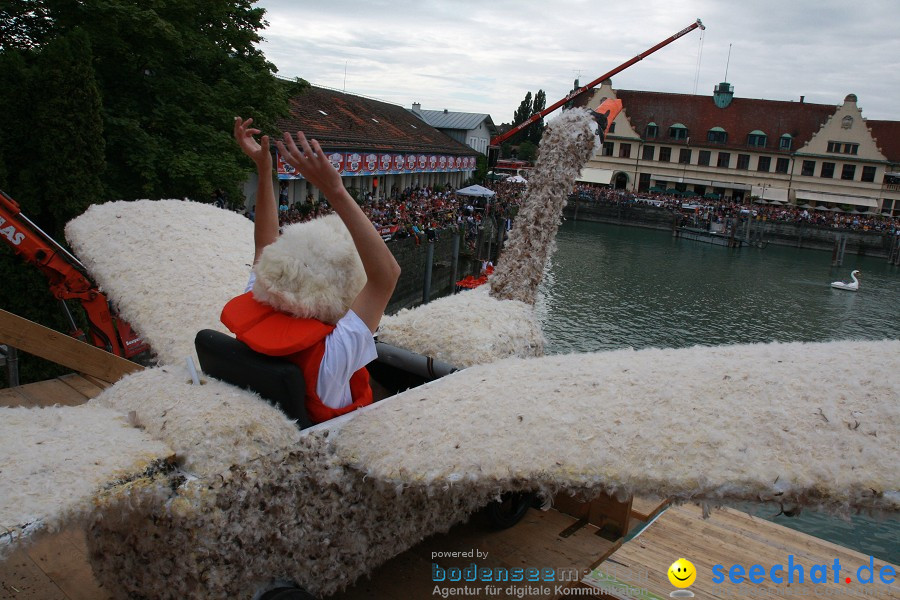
348	348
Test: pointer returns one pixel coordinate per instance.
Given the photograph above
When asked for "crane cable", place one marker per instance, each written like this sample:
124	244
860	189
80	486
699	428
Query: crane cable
699	55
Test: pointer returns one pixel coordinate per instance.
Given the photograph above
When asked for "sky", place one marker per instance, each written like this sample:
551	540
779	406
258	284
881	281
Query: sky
483	56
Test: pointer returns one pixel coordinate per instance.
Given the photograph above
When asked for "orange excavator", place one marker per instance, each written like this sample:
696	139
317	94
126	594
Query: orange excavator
69	280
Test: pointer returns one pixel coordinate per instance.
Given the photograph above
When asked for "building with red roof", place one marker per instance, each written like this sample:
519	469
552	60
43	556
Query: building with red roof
375	145
820	155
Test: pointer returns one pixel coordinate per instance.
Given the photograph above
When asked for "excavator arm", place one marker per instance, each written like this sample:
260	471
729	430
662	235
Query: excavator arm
68	280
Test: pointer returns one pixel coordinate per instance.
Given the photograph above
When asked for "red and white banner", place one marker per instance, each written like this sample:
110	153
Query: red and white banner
351	164
337	160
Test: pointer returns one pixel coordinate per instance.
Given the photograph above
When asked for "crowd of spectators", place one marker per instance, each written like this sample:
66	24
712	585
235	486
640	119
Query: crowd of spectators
717	210
419	212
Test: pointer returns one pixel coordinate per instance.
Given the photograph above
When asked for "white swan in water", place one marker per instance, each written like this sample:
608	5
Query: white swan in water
854	286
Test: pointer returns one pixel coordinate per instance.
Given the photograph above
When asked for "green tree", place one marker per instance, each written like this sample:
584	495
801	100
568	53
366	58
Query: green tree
173	74
527	151
535	131
521	115
57	156
148	88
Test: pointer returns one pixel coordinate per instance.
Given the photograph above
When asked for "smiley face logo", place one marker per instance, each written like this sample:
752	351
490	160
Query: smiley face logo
682	573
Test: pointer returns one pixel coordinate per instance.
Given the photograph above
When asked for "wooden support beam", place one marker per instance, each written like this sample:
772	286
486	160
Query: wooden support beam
54	346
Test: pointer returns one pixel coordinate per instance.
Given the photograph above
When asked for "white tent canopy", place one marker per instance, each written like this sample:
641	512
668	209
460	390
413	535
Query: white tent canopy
477	190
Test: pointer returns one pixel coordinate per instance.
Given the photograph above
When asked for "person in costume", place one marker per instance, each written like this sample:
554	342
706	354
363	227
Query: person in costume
317	292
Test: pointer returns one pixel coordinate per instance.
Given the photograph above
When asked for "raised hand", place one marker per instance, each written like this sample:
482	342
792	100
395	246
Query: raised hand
257	151
311	162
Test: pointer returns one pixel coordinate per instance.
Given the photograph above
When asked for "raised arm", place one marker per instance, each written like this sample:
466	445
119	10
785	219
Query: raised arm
265	223
382	270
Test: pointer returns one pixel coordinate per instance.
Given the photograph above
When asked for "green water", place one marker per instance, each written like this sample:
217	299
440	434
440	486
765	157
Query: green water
611	287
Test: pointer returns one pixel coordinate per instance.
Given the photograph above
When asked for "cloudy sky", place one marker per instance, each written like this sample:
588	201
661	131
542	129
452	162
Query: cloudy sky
483	56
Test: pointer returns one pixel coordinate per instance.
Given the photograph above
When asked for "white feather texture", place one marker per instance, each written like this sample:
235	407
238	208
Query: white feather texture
566	146
311	271
168	266
812	424
466	329
474	328
55	459
210	427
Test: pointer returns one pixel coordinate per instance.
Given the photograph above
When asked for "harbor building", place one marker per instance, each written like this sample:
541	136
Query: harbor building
820	156
473	129
376	146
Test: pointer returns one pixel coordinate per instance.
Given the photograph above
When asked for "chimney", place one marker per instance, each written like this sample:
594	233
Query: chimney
416	107
445	111
801	99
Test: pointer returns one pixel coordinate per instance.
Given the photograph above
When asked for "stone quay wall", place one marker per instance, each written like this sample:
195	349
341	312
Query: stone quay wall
413	259
797	235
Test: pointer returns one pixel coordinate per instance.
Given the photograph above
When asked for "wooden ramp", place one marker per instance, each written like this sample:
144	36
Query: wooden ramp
639	568
56	566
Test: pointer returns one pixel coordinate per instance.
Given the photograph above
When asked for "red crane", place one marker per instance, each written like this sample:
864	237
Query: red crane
575	93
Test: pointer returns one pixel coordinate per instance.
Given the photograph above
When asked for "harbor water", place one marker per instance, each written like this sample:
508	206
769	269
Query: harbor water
611	287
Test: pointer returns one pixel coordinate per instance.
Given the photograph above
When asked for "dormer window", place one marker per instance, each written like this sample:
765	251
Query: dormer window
652	130
717	135
678	132
756	138
785	142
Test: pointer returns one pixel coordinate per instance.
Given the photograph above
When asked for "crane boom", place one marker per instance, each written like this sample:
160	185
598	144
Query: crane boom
575	93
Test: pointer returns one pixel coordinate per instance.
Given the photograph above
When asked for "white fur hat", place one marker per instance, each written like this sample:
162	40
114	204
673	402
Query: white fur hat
311	271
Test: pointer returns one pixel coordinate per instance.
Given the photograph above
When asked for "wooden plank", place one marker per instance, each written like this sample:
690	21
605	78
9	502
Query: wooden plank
64	350
81	385
50	393
12	397
66	566
645	508
22	579
730	537
97	382
534	542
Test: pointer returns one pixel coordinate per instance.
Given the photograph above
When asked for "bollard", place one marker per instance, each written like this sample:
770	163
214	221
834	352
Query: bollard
429	259
454	261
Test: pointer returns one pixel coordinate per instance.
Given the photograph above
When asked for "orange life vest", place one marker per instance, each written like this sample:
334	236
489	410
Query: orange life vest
302	341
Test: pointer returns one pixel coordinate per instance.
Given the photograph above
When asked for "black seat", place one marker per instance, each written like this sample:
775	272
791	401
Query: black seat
276	379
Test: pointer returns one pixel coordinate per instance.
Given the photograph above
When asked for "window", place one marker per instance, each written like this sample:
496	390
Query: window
785	142
843	148
781	165
868	174
643	182
717	135
665	154
764	164
684	156
649	152
607	148
724	160
827	170
624	150
612	128
678	132
848	172
809	168
703	158
756	138
652	130
743	161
